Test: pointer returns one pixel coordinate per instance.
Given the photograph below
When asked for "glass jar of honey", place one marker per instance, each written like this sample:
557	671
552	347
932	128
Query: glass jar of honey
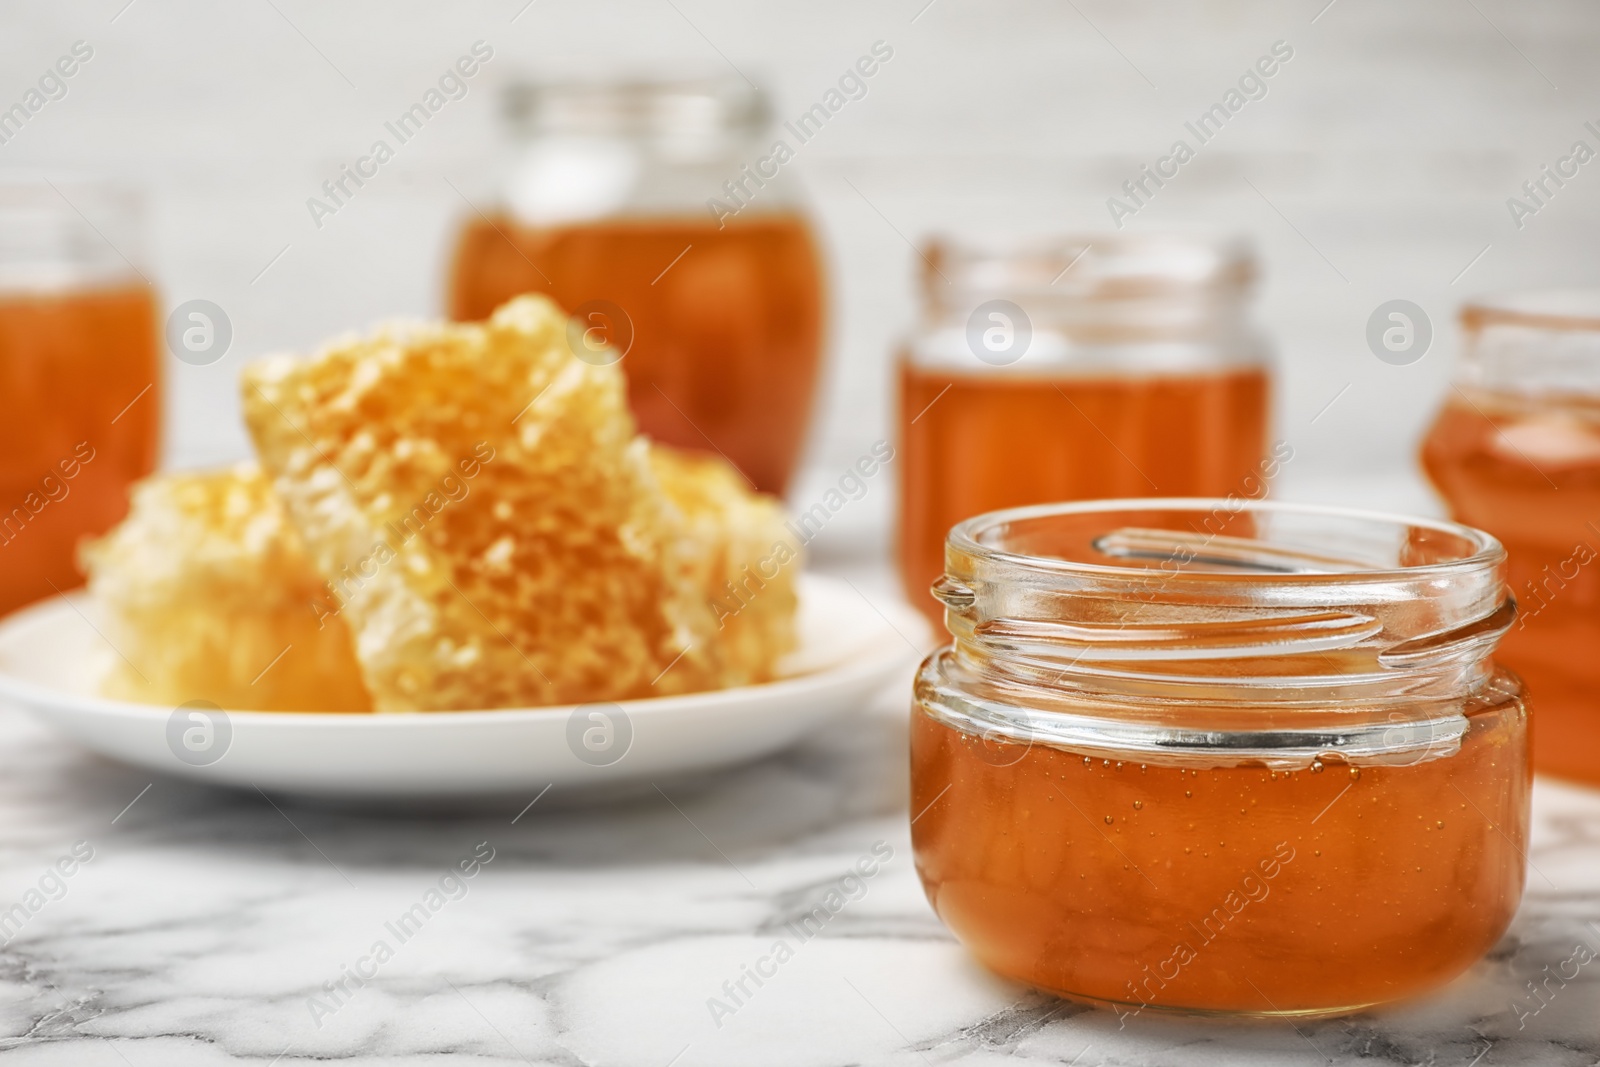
79	378
1221	757
1516	450
657	215
1110	366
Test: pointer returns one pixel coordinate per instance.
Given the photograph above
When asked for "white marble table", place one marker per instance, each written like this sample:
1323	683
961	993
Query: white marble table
206	922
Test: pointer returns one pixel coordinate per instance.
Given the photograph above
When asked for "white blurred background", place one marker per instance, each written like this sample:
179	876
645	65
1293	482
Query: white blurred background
1378	166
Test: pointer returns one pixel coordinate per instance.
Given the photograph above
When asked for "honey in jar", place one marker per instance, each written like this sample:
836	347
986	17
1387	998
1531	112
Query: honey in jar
1516	451
1241	759
1103	367
79	377
718	314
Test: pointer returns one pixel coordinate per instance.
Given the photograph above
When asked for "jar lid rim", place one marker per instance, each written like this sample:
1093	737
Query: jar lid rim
965	536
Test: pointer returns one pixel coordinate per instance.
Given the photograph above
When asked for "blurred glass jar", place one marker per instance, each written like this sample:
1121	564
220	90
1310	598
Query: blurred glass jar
1130	767
606	209
1516	450
79	377
1072	369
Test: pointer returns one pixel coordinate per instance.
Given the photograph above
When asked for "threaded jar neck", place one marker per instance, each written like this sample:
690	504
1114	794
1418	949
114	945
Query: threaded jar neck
681	117
1533	344
1240	602
48	241
1095	289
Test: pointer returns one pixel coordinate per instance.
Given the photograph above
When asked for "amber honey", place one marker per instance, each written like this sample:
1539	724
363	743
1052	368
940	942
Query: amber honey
1529	473
79	378
725	322
973	443
1236	889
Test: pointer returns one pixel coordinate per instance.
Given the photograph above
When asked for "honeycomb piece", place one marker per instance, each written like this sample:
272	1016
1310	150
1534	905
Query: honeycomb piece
486	514
209	595
745	560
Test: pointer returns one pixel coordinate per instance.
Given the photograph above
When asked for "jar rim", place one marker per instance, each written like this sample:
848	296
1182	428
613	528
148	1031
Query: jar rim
1558	310
966	536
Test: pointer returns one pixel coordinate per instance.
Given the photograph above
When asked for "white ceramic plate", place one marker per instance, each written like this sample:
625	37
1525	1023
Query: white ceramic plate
52	655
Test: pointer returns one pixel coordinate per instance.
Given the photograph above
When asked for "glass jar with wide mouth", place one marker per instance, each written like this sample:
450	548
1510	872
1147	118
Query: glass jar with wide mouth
664	216
1121	364
79	374
1516	451
1219	756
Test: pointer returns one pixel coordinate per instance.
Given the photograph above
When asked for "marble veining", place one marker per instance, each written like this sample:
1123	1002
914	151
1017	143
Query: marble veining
217	927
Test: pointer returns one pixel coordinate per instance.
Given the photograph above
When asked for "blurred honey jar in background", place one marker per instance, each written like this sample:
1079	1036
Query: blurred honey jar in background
78	378
1516	451
605	209
1111	366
